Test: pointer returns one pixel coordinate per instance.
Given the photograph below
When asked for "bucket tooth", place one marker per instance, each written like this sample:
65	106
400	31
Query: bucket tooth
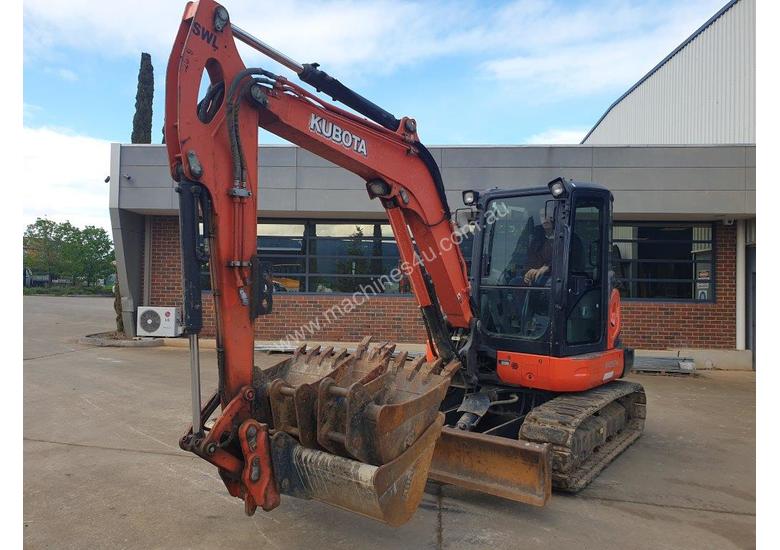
363	346
375	420
389	493
399	362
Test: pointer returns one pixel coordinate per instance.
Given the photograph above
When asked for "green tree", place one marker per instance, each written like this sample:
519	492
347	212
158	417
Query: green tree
64	250
93	254
70	253
142	120
42	243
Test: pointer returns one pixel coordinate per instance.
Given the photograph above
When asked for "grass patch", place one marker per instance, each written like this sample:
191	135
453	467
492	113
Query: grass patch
68	291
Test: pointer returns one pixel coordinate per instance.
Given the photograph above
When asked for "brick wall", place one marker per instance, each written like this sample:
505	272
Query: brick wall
648	325
389	317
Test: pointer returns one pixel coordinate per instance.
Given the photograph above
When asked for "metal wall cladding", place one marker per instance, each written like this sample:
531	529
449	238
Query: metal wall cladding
704	94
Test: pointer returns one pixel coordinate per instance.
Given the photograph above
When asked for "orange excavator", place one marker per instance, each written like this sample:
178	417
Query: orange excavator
520	388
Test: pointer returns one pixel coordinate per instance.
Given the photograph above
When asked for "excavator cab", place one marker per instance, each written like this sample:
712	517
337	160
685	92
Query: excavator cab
539	275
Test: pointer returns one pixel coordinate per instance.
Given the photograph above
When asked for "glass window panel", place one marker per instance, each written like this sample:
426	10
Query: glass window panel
286	265
348	229
518	241
356	284
287	283
346	265
280	238
584	320
280	245
352	246
670	290
662	270
281	229
518	312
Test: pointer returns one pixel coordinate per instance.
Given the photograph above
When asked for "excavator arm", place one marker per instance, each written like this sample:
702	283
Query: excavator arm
356	430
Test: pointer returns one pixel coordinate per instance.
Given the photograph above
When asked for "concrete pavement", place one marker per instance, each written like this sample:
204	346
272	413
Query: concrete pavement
102	467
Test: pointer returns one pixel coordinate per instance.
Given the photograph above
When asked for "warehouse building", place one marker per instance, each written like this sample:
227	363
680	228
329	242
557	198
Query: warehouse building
684	211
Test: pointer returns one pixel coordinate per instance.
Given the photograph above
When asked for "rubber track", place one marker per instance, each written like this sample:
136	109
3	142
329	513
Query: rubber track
581	448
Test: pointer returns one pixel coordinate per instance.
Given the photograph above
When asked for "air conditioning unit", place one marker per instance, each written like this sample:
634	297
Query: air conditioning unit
158	321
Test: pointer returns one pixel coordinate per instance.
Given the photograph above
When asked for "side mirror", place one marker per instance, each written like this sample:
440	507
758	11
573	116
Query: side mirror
464	217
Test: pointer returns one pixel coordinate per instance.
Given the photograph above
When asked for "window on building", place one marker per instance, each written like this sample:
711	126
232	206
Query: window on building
331	257
664	261
284	246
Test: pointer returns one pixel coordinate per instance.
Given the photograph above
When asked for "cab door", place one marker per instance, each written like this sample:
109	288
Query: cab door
586	291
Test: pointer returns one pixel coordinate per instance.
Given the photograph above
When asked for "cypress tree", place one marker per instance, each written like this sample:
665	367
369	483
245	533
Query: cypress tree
142	121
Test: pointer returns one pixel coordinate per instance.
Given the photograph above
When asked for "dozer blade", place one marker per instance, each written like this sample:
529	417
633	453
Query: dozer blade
507	468
389	493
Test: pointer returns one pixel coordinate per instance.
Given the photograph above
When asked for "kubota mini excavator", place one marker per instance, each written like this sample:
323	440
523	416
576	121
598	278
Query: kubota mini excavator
519	390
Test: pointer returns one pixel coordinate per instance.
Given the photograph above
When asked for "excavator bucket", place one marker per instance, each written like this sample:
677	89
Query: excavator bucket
389	493
507	468
356	430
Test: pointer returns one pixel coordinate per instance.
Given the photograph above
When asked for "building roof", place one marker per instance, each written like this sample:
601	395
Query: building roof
663	62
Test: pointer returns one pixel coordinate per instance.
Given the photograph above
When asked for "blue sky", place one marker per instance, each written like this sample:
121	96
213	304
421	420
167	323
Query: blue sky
470	72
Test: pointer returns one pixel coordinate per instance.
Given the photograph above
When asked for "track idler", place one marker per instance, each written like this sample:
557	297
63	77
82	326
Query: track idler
355	430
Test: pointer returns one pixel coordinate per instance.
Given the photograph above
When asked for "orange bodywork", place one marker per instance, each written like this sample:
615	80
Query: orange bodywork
615	320
559	374
234	218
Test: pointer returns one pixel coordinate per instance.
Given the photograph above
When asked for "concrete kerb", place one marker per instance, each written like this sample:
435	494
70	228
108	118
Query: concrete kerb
102	339
706	359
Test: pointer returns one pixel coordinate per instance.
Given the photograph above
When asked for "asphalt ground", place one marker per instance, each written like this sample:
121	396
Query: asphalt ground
102	467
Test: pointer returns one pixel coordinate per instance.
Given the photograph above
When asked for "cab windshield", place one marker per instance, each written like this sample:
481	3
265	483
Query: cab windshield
517	266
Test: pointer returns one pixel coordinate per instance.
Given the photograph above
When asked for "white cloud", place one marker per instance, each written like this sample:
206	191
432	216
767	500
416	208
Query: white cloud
372	36
561	49
561	136
63	176
593	48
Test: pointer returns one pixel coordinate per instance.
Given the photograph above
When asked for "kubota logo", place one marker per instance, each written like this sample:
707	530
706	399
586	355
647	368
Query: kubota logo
333	132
